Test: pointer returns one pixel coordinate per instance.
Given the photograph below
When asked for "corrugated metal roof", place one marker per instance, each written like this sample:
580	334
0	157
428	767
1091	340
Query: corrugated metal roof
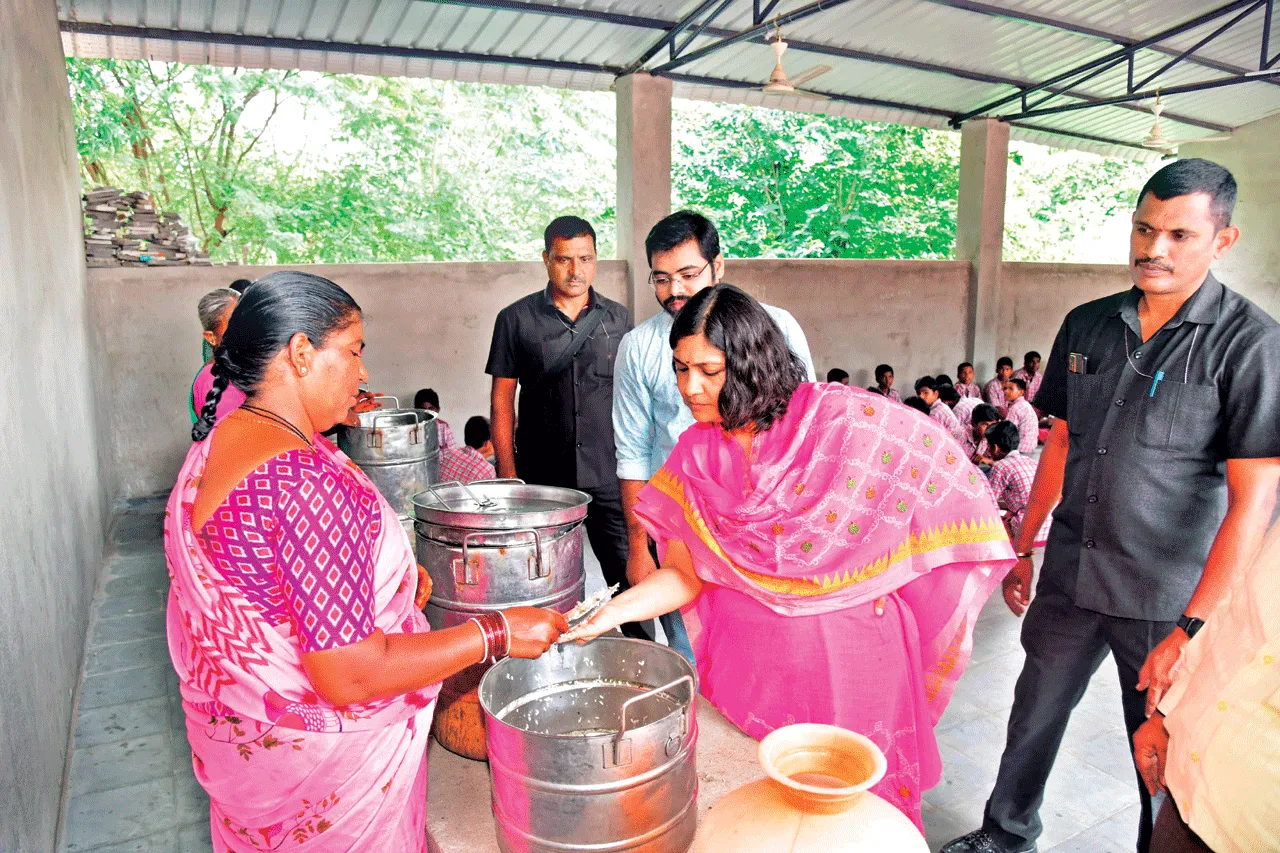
912	61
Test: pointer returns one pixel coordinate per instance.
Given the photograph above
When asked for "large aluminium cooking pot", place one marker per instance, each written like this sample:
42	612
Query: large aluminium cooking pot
591	748
494	544
488	546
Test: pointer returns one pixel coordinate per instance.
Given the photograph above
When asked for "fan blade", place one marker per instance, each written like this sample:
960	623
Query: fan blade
816	96
1176	142
805	76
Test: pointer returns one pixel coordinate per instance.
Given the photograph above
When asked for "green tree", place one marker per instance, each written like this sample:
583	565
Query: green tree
1069	206
785	184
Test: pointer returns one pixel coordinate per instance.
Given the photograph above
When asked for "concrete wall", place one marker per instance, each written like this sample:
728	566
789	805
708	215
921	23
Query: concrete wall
52	492
430	324
1037	298
857	314
426	325
1253	156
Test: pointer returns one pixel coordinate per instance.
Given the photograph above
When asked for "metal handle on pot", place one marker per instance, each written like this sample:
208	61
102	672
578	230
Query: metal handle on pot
500	481
387	397
482	502
621	756
535	562
468	576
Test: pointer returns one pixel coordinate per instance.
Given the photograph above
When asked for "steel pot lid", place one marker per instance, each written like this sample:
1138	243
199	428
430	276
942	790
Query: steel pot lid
499	505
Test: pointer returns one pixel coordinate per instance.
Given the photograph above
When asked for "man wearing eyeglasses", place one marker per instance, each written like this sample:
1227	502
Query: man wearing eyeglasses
648	413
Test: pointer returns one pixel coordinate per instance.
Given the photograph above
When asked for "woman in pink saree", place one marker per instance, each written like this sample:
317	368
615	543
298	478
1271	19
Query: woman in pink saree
308	672
831	548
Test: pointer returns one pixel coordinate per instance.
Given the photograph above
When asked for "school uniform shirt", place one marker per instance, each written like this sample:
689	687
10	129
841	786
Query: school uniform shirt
464	464
1023	416
564	432
963	410
1033	382
1152	424
1010	479
942	413
1223	716
969	389
993	394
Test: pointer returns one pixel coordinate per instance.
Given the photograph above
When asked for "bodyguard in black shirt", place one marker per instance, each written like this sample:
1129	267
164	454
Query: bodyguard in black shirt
1165	452
559	345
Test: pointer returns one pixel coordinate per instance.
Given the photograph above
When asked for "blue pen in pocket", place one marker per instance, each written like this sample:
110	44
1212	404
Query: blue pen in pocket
1156	381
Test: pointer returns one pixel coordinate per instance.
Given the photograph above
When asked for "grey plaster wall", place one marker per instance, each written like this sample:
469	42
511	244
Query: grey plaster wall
52	492
430	324
1253	267
1036	298
426	325
857	314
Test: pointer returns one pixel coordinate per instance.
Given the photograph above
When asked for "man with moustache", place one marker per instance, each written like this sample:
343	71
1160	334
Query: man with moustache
648	413
1165	452
560	346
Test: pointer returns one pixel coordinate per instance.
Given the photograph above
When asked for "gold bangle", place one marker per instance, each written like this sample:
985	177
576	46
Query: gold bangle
1025	555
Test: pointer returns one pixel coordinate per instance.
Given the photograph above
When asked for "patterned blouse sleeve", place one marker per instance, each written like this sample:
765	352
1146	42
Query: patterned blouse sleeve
325	558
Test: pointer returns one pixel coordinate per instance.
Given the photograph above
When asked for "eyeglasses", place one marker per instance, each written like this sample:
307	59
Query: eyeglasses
666	280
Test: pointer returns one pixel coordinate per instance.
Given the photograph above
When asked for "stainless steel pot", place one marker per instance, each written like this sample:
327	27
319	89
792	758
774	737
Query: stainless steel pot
399	450
591	748
495	544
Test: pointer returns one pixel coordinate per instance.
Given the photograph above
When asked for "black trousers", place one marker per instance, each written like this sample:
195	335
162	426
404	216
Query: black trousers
1065	645
607	532
1172	835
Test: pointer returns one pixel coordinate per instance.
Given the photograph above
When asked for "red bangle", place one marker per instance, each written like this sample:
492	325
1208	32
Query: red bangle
484	637
496	633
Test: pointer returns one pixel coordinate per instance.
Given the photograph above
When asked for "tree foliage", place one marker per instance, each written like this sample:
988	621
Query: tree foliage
282	167
294	168
796	185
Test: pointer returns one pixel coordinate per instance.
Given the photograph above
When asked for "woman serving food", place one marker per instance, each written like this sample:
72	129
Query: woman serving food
308	672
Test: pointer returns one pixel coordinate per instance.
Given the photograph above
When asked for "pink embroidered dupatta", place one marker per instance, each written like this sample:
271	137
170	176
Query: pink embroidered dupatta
282	767
848	498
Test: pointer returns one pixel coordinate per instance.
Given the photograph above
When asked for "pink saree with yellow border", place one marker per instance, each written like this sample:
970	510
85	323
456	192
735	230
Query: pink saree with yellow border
285	770
843	565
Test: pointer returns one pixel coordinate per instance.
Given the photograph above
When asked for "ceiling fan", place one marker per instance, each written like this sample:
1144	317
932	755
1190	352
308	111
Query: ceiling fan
780	84
1158	141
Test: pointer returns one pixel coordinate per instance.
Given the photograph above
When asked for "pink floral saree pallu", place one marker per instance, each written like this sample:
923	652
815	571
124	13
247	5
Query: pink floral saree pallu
844	565
283	769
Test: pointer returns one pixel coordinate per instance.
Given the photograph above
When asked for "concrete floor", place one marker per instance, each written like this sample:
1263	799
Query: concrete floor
130	785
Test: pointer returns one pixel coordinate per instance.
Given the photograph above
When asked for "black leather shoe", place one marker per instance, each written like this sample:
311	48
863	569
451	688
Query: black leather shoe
979	841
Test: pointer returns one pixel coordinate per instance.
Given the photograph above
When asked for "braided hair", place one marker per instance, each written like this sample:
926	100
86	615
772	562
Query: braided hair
270	313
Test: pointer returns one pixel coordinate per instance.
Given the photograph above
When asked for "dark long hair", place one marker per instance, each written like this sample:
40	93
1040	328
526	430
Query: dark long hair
270	313
761	371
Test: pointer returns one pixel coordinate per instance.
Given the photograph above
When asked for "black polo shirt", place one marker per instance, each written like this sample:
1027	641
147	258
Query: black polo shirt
564	435
1145	488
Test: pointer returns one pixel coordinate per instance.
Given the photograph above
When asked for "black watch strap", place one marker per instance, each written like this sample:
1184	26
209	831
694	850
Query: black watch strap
1190	624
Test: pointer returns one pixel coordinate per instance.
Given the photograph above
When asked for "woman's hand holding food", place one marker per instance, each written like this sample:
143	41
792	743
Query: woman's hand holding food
533	630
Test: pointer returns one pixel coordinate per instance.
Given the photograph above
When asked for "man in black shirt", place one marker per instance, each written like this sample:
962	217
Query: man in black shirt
559	345
1166	455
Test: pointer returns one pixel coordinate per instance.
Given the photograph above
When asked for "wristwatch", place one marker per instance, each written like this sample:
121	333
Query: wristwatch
1190	624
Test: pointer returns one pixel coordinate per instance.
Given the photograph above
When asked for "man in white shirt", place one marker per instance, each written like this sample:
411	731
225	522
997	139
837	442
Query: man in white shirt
648	412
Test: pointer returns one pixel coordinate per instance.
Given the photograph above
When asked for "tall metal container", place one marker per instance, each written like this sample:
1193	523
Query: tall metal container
592	748
399	450
496	544
488	546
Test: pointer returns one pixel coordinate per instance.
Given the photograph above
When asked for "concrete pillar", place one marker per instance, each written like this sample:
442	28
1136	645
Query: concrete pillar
984	162
644	177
